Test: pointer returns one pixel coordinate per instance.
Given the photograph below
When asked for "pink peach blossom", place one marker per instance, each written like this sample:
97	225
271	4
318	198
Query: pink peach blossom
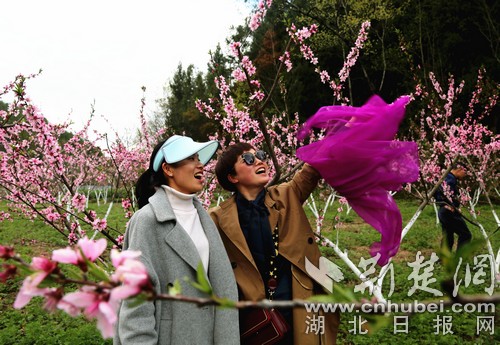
90	249
28	290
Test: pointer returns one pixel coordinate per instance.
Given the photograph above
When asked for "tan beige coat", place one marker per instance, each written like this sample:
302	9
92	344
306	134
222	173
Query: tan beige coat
296	241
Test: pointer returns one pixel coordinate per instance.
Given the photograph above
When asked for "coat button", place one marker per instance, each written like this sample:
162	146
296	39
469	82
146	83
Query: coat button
233	265
310	240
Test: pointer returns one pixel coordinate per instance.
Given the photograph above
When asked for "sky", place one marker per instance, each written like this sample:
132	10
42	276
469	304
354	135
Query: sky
102	52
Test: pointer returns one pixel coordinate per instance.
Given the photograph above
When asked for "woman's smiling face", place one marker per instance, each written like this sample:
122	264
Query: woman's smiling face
246	176
185	176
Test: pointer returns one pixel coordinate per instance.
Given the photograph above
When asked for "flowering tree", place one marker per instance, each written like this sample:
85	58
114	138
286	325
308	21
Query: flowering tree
44	176
444	138
100	293
69	166
241	122
41	177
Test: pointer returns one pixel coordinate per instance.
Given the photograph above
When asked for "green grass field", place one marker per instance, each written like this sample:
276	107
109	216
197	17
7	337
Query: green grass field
33	325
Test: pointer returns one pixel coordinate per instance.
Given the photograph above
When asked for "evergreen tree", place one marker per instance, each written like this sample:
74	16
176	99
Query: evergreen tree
177	110
445	37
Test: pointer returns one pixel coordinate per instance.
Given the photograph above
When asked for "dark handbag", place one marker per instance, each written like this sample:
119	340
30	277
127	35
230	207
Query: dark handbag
262	326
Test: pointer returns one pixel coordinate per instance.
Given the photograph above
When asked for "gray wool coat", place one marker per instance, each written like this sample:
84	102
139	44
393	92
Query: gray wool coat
169	255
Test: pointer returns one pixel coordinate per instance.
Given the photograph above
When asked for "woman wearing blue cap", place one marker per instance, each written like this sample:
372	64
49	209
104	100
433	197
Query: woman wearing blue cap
175	234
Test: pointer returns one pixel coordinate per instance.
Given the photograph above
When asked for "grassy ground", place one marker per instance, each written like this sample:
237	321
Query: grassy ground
424	237
32	325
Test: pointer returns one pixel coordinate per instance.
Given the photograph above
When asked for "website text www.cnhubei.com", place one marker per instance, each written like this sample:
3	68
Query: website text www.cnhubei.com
390	307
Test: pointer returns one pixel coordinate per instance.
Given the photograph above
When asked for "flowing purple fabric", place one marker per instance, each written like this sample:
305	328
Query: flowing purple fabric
361	160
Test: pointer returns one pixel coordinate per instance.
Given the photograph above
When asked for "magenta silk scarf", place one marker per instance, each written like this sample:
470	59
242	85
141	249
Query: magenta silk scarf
361	160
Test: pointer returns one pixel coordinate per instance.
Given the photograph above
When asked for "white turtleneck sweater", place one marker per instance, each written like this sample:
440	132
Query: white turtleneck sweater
188	218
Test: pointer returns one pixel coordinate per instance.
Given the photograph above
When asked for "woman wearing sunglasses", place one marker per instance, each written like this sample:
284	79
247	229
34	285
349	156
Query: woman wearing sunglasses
267	236
175	235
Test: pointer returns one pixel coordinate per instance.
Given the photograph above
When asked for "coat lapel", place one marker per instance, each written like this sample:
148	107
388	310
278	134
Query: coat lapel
217	252
176	237
214	243
181	243
231	227
274	214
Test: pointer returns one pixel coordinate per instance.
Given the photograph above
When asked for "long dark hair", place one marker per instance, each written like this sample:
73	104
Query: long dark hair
147	183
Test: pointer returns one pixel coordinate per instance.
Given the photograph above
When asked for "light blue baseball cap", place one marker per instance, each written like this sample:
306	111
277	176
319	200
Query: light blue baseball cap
179	147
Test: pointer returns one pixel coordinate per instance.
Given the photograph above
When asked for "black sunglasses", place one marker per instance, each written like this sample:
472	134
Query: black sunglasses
249	157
